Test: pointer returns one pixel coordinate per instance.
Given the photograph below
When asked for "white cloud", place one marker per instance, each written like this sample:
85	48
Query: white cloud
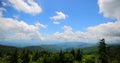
67	28
110	8
39	25
56	22
1	11
15	16
19	30
58	17
12	29
110	31
69	36
30	6
4	3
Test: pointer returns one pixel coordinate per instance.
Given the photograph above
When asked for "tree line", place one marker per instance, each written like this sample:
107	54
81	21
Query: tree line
105	54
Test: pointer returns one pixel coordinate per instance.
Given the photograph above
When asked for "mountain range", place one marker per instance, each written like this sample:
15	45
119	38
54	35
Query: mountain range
86	47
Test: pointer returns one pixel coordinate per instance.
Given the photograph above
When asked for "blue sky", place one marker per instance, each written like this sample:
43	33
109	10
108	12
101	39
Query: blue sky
81	14
59	17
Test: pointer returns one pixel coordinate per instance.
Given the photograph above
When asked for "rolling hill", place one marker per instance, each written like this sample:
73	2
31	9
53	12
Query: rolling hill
57	47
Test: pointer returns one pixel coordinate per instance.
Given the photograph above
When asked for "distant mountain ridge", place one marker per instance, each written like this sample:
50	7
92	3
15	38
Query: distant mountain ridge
54	48
60	44
74	45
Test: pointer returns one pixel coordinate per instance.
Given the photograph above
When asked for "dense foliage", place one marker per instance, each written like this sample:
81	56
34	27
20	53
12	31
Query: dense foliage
103	53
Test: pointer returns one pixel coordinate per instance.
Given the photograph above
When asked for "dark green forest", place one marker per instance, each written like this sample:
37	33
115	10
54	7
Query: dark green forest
101	53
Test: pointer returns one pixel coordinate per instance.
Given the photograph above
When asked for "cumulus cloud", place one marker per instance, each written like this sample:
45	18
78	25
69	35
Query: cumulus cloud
58	17
67	28
1	11
39	25
12	29
109	31
56	22
68	35
110	8
16	16
4	3
30	7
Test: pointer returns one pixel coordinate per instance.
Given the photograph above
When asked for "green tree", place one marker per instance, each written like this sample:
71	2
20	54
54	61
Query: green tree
68	58
14	57
55	57
73	52
25	56
102	51
89	59
36	56
0	54
61	56
79	55
40	60
45	59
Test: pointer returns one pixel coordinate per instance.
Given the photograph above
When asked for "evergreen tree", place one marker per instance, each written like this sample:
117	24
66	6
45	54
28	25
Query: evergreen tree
14	57
25	56
73	52
102	51
61	56
36	56
79	55
45	59
68	58
0	54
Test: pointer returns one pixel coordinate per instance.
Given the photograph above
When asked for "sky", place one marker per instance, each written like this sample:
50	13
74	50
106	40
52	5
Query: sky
59	21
